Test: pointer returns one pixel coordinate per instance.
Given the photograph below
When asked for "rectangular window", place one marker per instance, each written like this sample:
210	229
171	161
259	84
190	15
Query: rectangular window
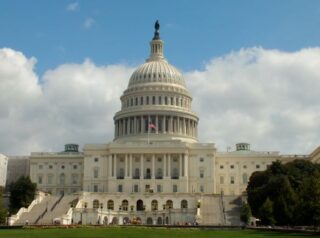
159	188
147	188
40	179
95	173
120	188
258	166
136	188
201	189
232	179
95	188
201	174
74	179
50	179
221	180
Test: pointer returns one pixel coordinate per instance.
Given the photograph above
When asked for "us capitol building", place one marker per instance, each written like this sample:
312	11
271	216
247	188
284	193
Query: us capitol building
155	171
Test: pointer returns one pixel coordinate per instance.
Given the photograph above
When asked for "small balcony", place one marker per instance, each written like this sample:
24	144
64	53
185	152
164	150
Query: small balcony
120	177
174	177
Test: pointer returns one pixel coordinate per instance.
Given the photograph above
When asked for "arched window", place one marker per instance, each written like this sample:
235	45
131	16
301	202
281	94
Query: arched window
159	221
160	100
140	206
136	101
62	179
245	178
125	205
147	100
110	205
153	100
149	221
166	100
95	204
169	204
154	205
184	204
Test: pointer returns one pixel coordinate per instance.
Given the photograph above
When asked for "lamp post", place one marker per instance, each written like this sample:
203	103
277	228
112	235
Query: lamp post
100	218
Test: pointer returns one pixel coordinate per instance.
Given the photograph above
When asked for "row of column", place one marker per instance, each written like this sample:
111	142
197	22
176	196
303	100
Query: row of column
157	100
113	163
163	124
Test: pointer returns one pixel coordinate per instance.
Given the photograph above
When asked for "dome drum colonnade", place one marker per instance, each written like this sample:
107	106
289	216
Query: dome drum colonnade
156	102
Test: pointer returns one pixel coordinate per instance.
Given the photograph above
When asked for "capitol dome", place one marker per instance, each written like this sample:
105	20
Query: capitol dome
156	104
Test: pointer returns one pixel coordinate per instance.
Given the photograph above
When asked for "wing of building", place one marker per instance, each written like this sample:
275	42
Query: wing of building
155	171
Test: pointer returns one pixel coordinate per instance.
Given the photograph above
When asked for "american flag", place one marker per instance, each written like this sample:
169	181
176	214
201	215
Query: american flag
151	125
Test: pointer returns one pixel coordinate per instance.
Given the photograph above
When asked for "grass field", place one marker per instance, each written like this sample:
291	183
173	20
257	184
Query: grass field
133	232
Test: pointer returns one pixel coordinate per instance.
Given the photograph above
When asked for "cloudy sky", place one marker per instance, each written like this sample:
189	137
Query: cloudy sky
253	69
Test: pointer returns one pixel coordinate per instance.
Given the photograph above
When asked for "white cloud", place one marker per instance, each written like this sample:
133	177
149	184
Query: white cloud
265	97
73	7
88	23
268	98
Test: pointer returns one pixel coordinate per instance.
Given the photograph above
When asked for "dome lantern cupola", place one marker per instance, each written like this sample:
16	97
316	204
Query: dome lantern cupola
156	45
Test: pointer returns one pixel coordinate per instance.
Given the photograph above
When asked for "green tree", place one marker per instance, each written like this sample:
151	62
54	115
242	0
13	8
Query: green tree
3	211
245	213
22	193
266	213
293	190
309	204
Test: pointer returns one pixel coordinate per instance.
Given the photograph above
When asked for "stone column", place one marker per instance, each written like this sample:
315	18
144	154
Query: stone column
141	124
169	165
135	125
153	166
130	167
123	126
141	166
186	164
157	124
109	166
126	166
128	125
165	174
163	124
115	165
178	124
170	127
180	166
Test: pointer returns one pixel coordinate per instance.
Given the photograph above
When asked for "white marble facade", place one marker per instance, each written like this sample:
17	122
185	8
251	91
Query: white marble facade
3	169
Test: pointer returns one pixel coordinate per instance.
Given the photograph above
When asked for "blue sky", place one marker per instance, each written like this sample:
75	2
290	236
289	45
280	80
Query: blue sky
195	31
252	68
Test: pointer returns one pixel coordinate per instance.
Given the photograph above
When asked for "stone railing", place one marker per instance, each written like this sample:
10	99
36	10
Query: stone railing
39	197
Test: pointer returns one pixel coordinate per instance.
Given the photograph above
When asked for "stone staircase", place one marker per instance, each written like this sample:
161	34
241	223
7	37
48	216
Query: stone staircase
58	209
232	208
211	210
32	216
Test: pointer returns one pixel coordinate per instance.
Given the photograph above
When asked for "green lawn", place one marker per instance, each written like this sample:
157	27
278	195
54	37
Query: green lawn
137	232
